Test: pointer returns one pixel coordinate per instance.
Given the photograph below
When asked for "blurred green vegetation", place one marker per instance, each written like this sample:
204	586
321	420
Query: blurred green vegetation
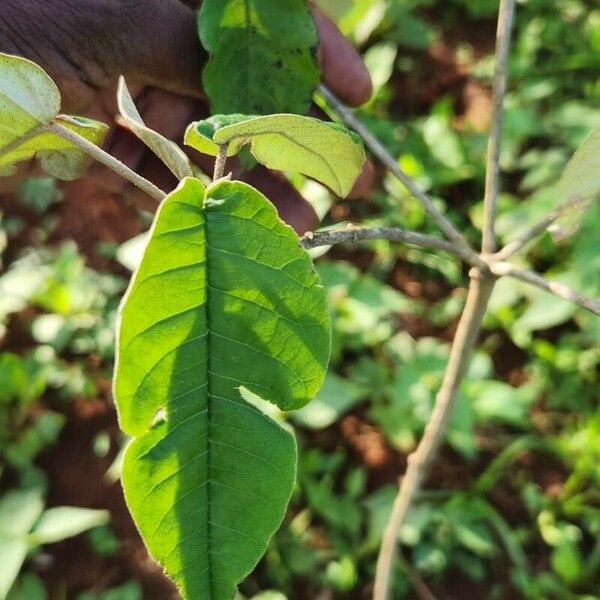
512	508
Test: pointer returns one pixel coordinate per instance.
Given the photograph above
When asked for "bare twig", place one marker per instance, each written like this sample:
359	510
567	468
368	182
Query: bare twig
107	160
492	173
220	162
502	269
480	290
394	234
469	326
521	241
354	234
379	150
419	586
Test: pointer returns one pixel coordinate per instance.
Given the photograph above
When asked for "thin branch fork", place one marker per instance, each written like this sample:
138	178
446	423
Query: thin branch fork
480	290
542	225
561	290
497	267
353	234
379	150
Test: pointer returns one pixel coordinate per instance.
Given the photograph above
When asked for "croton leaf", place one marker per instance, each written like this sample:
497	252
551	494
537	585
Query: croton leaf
263	55
224	300
29	99
324	151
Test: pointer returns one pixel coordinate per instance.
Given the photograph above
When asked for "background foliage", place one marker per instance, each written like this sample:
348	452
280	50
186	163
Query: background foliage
512	508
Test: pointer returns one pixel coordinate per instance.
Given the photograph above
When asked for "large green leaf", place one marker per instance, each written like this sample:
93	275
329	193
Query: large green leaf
29	99
263	55
579	184
223	299
324	151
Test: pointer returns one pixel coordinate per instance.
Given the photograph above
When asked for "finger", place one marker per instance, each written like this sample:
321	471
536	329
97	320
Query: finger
343	70
165	49
363	185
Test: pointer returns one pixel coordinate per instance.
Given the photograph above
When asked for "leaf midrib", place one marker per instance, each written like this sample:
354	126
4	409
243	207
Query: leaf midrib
209	370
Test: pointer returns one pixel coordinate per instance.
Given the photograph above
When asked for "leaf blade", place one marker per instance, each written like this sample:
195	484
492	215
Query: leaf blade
168	151
263	55
208	476
29	99
324	151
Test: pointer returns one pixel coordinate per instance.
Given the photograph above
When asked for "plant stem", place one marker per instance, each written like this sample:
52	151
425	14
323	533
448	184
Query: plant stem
502	269
107	160
379	150
220	162
521	241
492	174
394	234
480	289
469	326
419	586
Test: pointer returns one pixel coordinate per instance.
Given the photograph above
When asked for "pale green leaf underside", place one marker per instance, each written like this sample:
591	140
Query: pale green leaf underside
58	157
168	151
224	297
29	99
19	510
324	151
263	55
580	181
13	553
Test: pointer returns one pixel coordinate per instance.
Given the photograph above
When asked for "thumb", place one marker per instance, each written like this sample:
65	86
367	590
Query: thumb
160	46
86	44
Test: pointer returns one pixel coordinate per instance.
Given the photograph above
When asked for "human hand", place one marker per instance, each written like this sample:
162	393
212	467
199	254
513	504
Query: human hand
86	44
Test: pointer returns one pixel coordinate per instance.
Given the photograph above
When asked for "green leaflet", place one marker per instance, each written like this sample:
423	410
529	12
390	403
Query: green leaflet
24	525
224	297
263	55
29	99
169	152
200	134
324	151
580	181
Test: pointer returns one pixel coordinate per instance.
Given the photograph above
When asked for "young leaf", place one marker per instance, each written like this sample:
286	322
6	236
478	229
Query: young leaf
13	553
62	522
200	134
169	152
324	151
224	297
19	510
579	183
263	55
29	99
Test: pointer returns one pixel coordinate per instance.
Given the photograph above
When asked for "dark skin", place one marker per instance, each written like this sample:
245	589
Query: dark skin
86	44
